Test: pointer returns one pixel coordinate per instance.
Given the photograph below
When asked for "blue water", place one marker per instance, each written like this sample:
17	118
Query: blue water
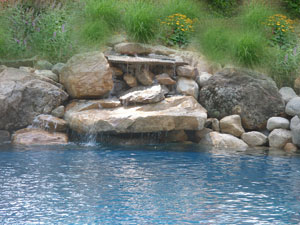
167	184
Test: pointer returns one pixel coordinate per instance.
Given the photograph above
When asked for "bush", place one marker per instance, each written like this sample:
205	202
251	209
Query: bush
293	6
223	7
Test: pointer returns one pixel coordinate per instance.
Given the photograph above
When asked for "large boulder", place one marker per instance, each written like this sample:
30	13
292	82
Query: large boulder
34	136
23	96
218	140
87	75
174	113
253	96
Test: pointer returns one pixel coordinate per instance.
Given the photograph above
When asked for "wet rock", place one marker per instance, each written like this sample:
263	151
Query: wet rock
218	140
176	136
279	137
144	95
43	65
4	136
50	123
213	123
57	68
34	136
47	73
278	122
116	71
232	125
203	78
295	121
145	77
287	93
186	71
119	87
293	107
200	134
249	94
187	86
165	79
130	80
24	96
290	147
254	138
87	75
174	113
58	112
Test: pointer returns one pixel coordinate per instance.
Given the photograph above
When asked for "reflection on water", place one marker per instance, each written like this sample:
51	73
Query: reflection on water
166	184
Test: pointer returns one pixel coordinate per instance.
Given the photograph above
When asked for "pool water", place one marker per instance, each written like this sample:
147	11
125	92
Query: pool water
166	184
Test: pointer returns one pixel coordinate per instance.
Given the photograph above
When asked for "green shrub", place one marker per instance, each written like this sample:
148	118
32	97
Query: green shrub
223	7
293	6
95	33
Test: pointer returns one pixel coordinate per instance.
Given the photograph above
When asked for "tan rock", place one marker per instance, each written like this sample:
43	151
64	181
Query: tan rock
87	75
186	71
130	80
200	134
187	86
50	123
116	71
232	125
176	136
254	138
33	136
47	73
145	77
290	147
174	113
165	79
58	112
132	48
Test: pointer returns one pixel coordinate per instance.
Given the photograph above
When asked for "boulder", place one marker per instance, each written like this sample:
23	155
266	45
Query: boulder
34	136
23	96
290	147
165	79
251	95
132	48
187	86
4	136
232	125
87	75
200	134
254	138
203	78
287	93
278	122
295	122
218	140
145	76
47	73
58	112
50	123
186	71
43	65
279	137
143	95
57	68
293	107
213	124
174	113
130	80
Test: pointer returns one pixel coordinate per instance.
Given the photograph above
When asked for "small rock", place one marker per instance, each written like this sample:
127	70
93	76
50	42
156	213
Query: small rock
200	134
290	147
43	65
130	80
33	136
145	77
287	93
278	122
187	87
47	73
109	103
279	137
4	136
218	140
295	121
186	71
203	78
254	138
165	79
176	136
132	49
232	125
27	69
59	111
50	123
116	71
293	107
57	68
145	95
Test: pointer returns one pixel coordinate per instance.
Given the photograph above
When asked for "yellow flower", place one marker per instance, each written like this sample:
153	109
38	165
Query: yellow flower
283	30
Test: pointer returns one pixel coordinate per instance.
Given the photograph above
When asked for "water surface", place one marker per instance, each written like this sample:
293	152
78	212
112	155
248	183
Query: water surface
166	184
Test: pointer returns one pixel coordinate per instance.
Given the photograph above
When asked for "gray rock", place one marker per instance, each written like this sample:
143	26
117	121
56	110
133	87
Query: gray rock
186	71
296	135
200	134
4	136
57	68
132	48
47	73
23	96
187	87
50	123
203	78
251	95
232	125
254	138
218	140
43	65
145	95
293	107
295	121
59	111
278	122
287	93
279	137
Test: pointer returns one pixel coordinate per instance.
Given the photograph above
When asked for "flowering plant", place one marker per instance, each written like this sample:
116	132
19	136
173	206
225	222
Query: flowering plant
178	29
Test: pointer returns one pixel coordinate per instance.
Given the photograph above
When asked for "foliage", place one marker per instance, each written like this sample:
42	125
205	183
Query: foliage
178	29
223	7
293	6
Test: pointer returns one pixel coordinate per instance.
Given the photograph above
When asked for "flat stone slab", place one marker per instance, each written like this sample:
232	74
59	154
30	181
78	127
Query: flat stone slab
174	113
143	60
